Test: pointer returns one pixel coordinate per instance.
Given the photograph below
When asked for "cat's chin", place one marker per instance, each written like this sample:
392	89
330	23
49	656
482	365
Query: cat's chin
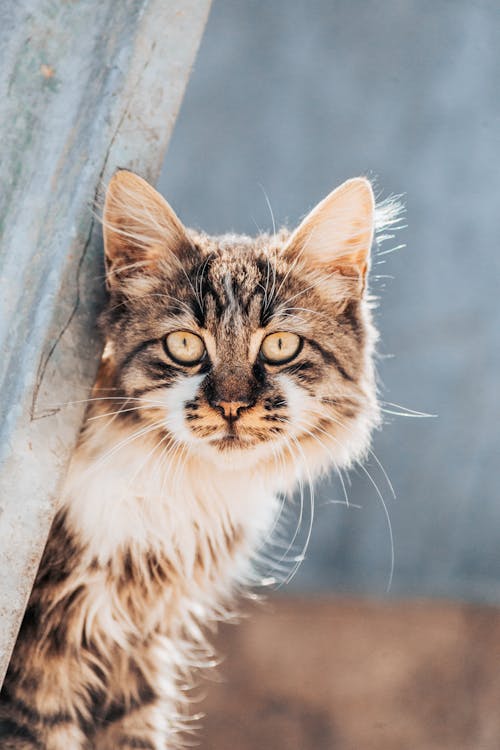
230	442
233	454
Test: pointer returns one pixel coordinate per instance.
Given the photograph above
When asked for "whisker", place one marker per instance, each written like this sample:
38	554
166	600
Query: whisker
369	450
113	413
344	488
269	207
290	544
384	472
122	444
379	495
342	502
391	250
301	558
406	412
389	524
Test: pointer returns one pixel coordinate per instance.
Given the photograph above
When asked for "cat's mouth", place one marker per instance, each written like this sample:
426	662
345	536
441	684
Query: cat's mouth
230	441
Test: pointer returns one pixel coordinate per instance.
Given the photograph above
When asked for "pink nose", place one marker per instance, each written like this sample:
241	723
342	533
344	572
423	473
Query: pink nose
231	409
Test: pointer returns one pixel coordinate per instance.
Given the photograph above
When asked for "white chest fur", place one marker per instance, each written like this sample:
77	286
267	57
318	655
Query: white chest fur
120	494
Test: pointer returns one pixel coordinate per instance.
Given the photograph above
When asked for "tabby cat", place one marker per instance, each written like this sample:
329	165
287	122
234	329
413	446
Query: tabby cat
233	369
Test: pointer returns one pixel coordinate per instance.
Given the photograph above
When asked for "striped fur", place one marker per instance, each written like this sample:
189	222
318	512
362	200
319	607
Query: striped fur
168	499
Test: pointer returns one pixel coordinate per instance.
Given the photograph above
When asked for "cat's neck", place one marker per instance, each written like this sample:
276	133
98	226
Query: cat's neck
129	488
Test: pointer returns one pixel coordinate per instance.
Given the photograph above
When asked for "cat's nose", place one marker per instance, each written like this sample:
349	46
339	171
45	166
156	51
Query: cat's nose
231	410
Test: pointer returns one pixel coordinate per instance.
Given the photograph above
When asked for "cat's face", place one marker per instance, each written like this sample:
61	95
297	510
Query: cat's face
242	348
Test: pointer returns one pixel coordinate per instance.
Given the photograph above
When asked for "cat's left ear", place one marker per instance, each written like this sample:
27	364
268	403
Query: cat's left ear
336	236
140	230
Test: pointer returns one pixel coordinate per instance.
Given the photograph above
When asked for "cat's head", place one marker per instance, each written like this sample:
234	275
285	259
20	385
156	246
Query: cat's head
243	349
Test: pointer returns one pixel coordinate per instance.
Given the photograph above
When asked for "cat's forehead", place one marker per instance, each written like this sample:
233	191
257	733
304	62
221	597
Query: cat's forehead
235	267
233	288
231	244
235	277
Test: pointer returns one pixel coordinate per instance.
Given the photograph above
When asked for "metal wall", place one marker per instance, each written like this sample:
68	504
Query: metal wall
297	96
84	88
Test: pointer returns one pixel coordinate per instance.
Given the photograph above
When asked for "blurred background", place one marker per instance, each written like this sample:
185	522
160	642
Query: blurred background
293	97
288	99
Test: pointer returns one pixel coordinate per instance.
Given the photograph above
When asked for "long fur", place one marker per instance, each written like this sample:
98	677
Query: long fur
168	501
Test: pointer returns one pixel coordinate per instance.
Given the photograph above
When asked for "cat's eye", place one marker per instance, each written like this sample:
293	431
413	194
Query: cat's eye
185	347
281	347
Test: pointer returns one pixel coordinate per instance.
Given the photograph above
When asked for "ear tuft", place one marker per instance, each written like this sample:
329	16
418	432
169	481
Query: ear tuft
336	236
139	228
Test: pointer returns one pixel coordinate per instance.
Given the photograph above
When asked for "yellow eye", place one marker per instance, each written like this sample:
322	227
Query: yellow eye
185	347
281	347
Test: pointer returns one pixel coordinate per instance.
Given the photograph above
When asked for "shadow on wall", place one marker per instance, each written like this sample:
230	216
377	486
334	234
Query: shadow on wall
296	97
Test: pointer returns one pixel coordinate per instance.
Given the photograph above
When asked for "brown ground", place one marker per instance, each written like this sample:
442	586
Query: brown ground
357	675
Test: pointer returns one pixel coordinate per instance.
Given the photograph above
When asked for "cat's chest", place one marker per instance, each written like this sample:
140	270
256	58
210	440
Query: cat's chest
159	545
191	514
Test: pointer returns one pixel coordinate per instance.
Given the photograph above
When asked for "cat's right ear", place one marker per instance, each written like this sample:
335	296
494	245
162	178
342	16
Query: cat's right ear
334	240
140	230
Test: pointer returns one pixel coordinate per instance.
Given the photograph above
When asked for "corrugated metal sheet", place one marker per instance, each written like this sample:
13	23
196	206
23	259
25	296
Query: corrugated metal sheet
84	88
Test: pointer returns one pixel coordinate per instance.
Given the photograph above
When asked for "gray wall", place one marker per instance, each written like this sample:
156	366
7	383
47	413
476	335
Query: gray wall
297	96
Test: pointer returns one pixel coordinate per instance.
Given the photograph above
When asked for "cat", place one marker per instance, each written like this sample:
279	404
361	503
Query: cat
233	369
